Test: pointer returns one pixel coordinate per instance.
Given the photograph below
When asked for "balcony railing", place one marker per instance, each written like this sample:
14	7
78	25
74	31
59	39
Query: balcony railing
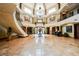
72	19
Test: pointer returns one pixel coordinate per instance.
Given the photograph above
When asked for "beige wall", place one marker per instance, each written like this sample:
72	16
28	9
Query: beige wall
8	19
6	12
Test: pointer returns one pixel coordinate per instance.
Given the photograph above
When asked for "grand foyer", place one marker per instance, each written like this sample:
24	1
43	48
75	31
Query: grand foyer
39	29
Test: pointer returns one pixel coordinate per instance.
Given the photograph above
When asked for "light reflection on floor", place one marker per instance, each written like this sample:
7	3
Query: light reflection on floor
46	45
39	41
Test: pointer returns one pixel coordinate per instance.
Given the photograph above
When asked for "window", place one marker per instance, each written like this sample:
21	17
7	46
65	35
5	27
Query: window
20	5
59	5
69	29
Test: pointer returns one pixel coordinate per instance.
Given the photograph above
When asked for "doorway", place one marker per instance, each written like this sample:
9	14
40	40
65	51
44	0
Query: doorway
37	29
48	30
29	30
76	31
53	30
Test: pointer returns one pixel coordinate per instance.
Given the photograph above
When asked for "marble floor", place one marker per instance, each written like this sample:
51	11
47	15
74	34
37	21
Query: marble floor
45	45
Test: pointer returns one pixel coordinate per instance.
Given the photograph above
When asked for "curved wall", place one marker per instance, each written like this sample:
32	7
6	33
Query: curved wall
8	19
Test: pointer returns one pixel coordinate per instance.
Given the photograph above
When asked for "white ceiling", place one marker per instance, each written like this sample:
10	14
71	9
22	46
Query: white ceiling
50	5
29	5
35	6
47	5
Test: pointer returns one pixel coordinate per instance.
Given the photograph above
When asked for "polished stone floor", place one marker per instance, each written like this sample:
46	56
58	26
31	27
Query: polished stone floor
46	45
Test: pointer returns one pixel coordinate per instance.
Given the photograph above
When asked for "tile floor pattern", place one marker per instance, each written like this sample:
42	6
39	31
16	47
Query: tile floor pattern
47	45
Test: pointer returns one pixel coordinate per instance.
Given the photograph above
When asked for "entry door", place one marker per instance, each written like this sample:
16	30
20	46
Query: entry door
76	28
53	30
29	30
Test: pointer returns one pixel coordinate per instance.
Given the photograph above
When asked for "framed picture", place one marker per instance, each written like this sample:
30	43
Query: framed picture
69	29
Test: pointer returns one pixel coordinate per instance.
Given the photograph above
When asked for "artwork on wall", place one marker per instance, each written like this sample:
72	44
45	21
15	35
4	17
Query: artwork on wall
52	19
26	18
69	29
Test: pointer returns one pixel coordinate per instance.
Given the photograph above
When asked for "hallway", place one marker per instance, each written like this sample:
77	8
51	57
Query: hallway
47	45
39	29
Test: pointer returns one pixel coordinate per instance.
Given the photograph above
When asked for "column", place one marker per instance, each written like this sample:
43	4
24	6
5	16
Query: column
50	30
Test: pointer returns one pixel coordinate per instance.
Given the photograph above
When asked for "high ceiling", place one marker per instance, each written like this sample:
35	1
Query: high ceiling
29	5
45	10
40	9
32	5
50	5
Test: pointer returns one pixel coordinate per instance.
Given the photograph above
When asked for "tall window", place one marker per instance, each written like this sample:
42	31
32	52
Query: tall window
59	5
20	5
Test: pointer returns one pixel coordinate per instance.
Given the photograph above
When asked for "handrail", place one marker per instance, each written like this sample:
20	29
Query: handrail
18	27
